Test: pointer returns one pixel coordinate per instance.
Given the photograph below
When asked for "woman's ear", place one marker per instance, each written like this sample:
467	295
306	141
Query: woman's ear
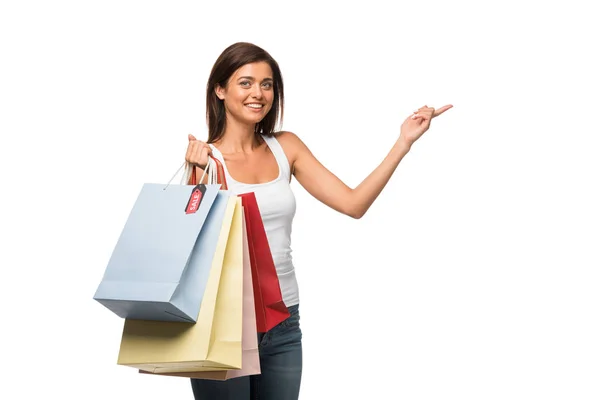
219	91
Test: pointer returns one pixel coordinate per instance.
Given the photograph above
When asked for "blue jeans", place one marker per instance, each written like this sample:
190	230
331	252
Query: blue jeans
280	352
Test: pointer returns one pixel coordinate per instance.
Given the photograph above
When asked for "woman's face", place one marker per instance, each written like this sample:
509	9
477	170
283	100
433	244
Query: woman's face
248	96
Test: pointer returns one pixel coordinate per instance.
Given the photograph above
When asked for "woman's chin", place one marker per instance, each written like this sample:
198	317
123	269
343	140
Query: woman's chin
255	120
250	119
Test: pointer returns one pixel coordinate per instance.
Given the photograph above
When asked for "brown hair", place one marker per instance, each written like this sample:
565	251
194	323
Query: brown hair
232	58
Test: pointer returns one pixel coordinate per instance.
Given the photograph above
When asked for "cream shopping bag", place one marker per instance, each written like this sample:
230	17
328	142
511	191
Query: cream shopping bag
250	355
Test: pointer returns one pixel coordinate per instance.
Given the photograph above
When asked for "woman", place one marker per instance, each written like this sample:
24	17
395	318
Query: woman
244	100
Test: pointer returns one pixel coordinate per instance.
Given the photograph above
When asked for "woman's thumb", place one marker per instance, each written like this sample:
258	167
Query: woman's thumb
191	137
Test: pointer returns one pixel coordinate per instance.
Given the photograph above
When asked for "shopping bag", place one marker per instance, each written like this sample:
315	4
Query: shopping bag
215	340
269	305
250	355
160	264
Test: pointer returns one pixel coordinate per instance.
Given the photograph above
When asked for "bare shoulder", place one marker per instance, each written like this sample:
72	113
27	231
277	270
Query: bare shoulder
290	142
286	136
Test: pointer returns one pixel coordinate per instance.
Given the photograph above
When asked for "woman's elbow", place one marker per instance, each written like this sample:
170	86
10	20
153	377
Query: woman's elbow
355	212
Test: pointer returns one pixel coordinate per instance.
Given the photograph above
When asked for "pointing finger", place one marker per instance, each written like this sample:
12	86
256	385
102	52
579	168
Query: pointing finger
442	110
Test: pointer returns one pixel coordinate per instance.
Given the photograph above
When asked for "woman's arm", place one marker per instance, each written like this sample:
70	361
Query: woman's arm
330	190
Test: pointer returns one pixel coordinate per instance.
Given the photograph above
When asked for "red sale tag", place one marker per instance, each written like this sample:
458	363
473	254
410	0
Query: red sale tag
195	199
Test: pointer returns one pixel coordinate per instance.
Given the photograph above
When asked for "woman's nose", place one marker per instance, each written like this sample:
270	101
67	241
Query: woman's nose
257	91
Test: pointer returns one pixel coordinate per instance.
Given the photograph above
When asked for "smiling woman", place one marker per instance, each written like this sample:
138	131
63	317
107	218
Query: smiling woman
243	77
251	90
244	97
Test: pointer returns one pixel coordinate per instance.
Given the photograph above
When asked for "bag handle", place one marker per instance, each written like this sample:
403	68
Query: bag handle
215	175
214	169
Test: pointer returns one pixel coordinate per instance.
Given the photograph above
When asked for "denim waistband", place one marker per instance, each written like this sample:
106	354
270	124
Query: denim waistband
293	309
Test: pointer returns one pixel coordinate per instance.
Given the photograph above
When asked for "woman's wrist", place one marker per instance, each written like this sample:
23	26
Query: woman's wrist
402	146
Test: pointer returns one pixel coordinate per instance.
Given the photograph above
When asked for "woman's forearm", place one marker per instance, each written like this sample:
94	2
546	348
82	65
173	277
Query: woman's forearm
369	189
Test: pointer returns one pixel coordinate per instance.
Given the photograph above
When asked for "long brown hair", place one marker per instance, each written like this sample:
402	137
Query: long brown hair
232	58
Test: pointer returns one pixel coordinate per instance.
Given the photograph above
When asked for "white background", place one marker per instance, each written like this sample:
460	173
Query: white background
475	275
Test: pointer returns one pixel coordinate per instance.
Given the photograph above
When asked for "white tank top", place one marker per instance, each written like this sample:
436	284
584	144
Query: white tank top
277	206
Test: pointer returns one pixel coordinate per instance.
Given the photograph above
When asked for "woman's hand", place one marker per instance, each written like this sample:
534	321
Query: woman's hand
197	152
418	123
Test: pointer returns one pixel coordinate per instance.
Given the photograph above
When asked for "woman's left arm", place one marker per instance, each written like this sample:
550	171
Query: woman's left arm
330	190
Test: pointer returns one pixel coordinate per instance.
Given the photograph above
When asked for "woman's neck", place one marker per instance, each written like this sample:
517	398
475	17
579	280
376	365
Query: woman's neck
238	138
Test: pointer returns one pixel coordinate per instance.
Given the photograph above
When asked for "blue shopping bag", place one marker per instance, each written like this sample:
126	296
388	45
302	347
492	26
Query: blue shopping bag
160	264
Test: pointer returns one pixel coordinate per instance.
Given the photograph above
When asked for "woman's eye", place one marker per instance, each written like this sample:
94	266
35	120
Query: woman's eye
268	85
245	83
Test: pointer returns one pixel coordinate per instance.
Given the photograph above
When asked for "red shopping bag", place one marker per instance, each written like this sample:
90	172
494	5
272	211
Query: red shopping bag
268	302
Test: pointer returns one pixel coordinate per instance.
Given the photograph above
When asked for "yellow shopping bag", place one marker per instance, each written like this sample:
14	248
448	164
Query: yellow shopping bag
215	340
250	355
